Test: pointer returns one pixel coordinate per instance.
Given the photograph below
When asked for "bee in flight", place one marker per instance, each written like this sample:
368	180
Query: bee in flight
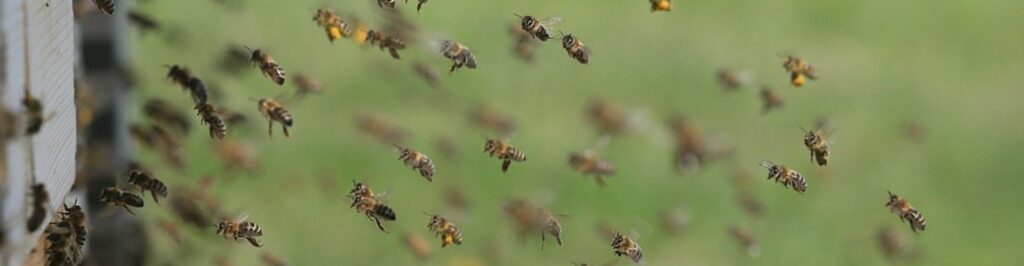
893	244
537	28
386	3
418	161
145	182
799	70
586	162
505	152
786	176
40	201
105	6
530	219
459	54
576	49
118	197
730	79
332	24
212	119
369	204
747	239
524	43
417	245
34	112
274	112
661	5
550	225
818	145
306	84
241	227
182	76
771	99
428	74
607	117
381	129
902	208
164	112
267	65
624	246
447	230
384	40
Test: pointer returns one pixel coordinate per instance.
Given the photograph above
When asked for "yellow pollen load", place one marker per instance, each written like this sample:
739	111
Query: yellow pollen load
333	33
664	5
798	79
360	35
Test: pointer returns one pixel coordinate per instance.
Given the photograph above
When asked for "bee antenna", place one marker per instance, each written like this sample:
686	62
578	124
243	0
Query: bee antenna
247	48
517	15
428	214
803	129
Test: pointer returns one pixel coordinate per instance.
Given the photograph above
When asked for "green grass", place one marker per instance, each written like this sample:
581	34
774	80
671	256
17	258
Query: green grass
952	66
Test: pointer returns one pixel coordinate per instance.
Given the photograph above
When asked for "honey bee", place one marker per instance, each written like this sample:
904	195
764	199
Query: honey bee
234	59
332	24
8	125
418	161
145	182
459	54
213	120
105	6
185	205
173	231
729	79
385	40
817	145
33	112
270	259
144	22
267	65
163	112
428	74
455	197
524	43
417	245
690	144
661	5
607	117
237	156
906	212
914	130
675	221
40	200
182	76
374	210
624	246
893	244
537	28
66	236
274	112
799	70
383	130
241	227
550	225
386	3
747	239
489	118
505	152
118	197
155	137
576	49
786	176
529	219
588	164
232	118
771	99
306	84
447	230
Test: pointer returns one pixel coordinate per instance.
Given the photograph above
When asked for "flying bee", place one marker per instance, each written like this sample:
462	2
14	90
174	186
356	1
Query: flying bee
385	40
274	112
459	54
428	74
237	156
731	80
417	245
537	28
241	227
587	163
818	145
675	221
118	197
157	138
267	65
691	151
374	210
661	5
105	6
332	23
505	152
383	130
455	198
771	100
550	225
143	21
747	239
786	176
914	130
306	84
386	3
173	231
607	117
40	200
33	112
523	214
624	246
270	259
234	59
418	161
447	230
161	111
213	120
524	43
489	118
893	244
182	76
799	70
576	49
906	212
145	182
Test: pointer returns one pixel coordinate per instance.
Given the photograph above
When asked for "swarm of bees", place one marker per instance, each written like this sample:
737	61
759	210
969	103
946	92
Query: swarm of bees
625	246
907	213
445	229
504	152
418	161
369	204
799	71
785	175
241	227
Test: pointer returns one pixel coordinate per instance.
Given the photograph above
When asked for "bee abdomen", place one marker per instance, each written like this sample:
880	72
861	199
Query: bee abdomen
250	229
385	212
514	154
132	200
106	6
283	115
277	73
158	187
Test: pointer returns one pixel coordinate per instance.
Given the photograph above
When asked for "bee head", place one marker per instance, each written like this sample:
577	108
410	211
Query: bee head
107	194
490	145
528	22
359	186
893	198
568	40
810	137
222	226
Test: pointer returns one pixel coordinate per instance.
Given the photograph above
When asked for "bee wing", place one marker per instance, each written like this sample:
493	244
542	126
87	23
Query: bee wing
766	164
601	143
383	194
551	21
242	217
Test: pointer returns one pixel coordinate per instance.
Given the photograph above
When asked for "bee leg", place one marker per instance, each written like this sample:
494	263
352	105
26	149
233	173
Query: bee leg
394	53
452	70
542	240
128	209
153	193
285	128
600	180
254	242
270	127
380	225
505	164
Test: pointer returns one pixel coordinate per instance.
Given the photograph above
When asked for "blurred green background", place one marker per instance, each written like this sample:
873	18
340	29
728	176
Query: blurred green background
952	66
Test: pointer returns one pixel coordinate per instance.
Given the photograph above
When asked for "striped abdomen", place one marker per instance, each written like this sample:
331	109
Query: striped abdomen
385	212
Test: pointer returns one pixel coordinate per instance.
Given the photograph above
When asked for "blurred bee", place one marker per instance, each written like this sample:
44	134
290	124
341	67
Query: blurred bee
914	130
771	99
447	230
383	130
40	201
144	182
374	210
33	112
537	28
505	152
750	204
455	198
893	244
185	205
274	112
818	145
550	225
236	156
428	74
588	164
156	138
332	24
661	5
234	59
906	212
625	246
690	144
173	231
786	176
232	117
492	119
182	76
8	125
576	49
675	221
386	3
799	70
529	219
306	84
270	259
459	54
241	227
105	6
385	40
213	120
524	43
66	235
417	245
729	79
161	111
747	239
267	65
418	161
607	117
143	21
118	197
